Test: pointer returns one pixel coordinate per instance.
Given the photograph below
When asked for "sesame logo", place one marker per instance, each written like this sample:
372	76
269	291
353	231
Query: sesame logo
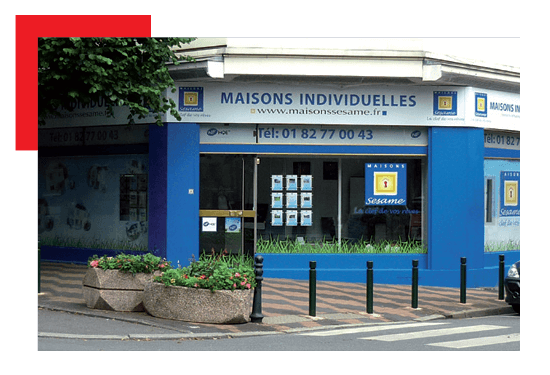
191	99
445	103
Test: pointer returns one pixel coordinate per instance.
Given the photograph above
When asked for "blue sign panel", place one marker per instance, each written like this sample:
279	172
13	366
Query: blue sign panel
385	184
191	99
445	103
509	193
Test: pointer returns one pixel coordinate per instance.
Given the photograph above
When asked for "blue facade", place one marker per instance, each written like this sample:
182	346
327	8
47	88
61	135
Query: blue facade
158	174
455	204
182	193
455	197
174	214
454	217
455	159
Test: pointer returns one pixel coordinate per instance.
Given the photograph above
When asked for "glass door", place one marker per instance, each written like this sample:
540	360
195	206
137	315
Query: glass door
227	204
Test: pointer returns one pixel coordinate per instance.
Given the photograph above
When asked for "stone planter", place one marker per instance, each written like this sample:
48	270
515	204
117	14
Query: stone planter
198	305
114	290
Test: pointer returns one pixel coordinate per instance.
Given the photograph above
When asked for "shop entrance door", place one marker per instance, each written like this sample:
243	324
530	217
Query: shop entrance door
227	203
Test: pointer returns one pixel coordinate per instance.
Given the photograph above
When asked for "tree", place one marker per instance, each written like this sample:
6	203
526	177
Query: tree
129	72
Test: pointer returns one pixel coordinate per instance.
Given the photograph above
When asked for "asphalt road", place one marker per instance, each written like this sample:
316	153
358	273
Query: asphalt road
493	333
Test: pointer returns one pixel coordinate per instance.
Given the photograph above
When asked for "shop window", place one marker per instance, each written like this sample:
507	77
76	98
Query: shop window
319	215
502	205
95	202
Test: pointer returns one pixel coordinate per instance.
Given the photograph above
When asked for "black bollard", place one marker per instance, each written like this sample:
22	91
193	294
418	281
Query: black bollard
414	302
369	287
38	260
257	316
501	277
463	280
312	287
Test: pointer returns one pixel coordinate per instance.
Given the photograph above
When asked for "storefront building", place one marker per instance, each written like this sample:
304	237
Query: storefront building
299	155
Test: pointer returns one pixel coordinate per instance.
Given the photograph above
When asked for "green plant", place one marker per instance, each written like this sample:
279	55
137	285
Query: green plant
220	272
147	263
502	246
288	246
130	72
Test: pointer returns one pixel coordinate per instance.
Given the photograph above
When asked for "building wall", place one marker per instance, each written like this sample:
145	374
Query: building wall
182	192
455	197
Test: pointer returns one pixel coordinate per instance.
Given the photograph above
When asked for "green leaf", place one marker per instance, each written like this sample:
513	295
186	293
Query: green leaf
134	68
69	51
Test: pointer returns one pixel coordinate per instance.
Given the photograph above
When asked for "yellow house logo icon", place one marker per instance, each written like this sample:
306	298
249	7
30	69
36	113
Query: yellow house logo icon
385	183
445	103
510	193
481	104
191	98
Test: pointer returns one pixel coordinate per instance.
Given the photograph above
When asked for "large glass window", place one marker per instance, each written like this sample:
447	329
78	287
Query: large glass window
318	204
311	204
95	202
502	205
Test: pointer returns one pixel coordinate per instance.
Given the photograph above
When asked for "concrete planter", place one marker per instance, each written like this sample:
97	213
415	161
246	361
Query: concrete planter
114	290
197	305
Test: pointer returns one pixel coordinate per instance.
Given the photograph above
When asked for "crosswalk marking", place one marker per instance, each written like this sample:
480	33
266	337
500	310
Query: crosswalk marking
368	329
432	333
480	341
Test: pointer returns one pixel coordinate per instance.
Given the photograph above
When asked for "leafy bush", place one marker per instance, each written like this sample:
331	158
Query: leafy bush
147	263
214	273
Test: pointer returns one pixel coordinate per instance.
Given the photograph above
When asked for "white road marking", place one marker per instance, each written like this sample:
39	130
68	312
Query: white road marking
480	341
368	329
433	333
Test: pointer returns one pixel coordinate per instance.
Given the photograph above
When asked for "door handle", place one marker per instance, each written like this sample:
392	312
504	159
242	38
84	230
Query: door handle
234	213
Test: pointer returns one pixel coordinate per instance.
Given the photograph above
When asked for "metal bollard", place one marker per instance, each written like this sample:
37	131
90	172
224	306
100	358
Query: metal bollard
463	280
369	286
312	287
38	260
257	316
501	277
414	302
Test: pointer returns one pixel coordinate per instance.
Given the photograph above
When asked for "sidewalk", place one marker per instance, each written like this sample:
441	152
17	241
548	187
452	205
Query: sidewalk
285	306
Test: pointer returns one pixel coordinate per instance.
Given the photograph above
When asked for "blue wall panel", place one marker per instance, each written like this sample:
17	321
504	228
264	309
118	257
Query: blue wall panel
455	197
183	168
157	189
387	269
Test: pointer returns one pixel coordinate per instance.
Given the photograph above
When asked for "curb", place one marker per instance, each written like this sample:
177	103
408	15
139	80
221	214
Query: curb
151	337
480	312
